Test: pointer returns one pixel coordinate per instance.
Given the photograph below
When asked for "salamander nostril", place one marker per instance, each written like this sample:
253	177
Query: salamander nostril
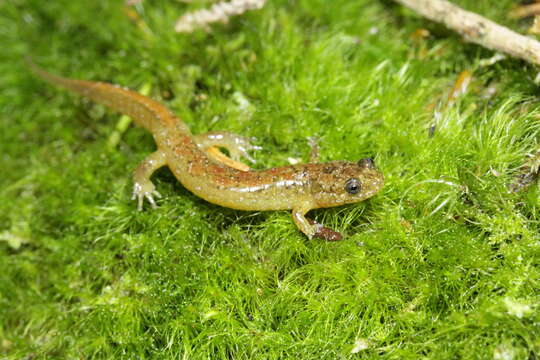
366	163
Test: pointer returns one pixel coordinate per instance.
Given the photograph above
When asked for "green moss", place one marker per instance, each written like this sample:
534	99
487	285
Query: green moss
443	263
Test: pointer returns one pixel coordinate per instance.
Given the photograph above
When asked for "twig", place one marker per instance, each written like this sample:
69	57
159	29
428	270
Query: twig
477	29
219	12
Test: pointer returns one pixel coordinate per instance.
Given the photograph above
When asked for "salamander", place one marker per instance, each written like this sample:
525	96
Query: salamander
298	188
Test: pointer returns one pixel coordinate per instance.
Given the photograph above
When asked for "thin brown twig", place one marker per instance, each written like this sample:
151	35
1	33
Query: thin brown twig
477	29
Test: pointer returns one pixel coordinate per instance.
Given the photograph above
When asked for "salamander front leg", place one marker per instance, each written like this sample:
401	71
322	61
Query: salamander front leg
143	188
311	228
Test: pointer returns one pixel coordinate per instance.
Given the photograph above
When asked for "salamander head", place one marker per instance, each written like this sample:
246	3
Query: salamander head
340	182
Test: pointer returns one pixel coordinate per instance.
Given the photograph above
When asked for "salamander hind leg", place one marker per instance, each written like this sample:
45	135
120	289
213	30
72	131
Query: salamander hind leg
143	187
237	145
311	228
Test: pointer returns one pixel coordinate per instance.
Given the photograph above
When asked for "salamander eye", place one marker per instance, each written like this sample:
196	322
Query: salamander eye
353	186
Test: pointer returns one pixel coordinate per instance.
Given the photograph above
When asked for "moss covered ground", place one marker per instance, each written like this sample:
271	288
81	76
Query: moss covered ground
442	264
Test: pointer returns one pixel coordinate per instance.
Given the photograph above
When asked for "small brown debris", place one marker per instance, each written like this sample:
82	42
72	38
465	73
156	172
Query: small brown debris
460	86
406	224
326	233
524	11
528	173
420	34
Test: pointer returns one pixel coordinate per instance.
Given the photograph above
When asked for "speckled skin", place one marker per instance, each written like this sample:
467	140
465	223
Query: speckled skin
298	187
